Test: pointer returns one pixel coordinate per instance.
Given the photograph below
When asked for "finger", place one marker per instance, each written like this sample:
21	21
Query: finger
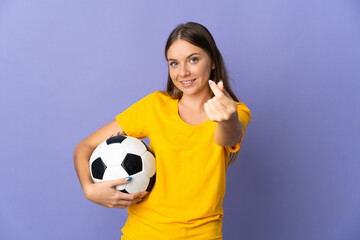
143	194
119	181
123	203
122	200
126	203
133	196
222	88
140	198
211	111
221	85
215	89
219	105
125	199
216	108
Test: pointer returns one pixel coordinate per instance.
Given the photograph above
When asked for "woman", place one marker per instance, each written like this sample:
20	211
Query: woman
195	130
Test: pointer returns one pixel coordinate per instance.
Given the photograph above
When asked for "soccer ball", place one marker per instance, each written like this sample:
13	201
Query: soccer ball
123	156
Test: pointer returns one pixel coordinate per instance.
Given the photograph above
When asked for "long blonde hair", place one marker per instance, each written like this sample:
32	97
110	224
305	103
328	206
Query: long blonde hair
200	36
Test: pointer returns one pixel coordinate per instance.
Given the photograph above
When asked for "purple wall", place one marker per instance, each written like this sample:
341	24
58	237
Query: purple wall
68	67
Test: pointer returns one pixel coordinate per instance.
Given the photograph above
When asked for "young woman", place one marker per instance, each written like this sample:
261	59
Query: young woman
195	130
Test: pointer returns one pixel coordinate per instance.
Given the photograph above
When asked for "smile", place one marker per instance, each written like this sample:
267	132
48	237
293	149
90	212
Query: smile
187	82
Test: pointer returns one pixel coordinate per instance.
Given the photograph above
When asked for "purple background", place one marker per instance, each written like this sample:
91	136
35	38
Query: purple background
68	67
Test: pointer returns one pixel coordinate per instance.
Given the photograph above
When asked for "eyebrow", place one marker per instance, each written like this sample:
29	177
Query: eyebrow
171	59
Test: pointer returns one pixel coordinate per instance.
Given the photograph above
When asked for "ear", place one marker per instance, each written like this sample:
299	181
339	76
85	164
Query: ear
213	65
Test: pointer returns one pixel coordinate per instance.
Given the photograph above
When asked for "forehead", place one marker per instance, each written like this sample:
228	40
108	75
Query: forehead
182	49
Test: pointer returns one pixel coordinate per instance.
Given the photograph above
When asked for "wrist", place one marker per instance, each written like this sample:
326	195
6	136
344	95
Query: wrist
231	121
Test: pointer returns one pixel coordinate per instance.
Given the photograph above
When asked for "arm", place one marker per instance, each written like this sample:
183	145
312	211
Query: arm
85	148
103	193
228	133
223	110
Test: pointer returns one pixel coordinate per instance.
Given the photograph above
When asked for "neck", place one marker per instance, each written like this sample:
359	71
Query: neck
195	102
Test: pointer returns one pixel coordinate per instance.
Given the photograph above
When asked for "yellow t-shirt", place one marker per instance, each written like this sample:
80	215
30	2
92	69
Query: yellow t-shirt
186	200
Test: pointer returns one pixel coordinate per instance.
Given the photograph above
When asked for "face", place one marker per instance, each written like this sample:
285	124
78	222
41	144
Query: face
189	67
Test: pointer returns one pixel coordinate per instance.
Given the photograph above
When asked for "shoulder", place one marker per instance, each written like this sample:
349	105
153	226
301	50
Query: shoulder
154	99
161	97
158	94
161	94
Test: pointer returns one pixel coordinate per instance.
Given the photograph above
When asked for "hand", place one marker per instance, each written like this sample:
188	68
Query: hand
221	108
105	194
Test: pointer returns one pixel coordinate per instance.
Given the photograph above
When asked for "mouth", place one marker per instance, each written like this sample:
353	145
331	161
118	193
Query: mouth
187	83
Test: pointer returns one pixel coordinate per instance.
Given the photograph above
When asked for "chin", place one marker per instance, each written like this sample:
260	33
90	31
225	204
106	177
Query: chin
191	91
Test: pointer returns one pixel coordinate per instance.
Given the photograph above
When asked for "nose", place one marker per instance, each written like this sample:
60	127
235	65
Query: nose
184	70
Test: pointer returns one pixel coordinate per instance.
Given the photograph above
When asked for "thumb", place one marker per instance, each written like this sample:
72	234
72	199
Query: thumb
119	181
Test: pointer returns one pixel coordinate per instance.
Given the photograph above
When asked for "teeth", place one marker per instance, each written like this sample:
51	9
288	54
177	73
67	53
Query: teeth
188	82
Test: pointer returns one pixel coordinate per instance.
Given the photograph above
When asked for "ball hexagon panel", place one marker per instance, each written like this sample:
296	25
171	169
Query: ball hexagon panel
148	149
98	151
138	183
134	146
112	150
149	163
114	172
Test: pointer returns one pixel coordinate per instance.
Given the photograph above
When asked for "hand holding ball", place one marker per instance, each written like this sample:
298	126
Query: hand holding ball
124	156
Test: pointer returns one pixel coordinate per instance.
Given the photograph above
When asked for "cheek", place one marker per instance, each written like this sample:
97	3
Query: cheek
173	75
206	70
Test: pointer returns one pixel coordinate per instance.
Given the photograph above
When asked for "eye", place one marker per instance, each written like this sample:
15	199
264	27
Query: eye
173	64
194	60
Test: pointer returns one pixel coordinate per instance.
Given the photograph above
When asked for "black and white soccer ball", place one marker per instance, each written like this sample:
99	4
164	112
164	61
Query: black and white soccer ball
123	156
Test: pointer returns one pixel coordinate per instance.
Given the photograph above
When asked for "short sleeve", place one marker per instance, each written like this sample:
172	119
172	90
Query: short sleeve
244	117
134	120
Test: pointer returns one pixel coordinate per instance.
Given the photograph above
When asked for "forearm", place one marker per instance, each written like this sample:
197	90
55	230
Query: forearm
82	155
228	133
85	148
